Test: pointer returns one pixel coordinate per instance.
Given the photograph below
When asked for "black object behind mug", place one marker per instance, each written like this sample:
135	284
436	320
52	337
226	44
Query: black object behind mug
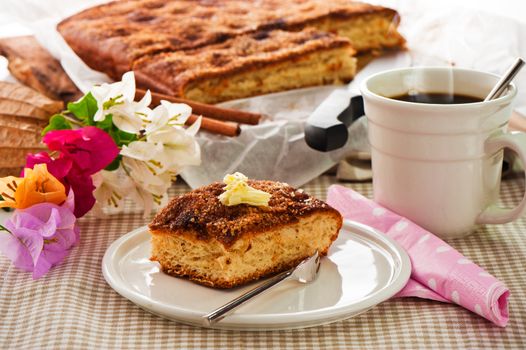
327	127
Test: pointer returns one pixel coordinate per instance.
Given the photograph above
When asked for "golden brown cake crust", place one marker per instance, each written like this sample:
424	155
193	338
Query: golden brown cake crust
200	211
110	37
243	53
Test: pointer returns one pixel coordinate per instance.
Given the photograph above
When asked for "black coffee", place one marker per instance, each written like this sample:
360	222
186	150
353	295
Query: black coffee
437	98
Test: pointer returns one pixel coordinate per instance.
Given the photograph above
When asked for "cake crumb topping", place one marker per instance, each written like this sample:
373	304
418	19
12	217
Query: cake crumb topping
201	211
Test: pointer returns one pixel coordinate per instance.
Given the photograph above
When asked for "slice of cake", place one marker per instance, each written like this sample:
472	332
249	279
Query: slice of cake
219	245
112	36
250	65
32	65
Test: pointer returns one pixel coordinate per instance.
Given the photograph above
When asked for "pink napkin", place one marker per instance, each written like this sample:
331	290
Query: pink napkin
439	272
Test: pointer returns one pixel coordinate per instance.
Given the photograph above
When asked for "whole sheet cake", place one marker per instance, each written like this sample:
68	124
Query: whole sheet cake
114	37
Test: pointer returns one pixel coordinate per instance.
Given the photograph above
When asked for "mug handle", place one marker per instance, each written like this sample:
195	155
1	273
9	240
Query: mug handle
516	142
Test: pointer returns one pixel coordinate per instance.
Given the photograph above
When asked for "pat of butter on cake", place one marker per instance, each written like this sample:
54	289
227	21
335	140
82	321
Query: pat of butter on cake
198	237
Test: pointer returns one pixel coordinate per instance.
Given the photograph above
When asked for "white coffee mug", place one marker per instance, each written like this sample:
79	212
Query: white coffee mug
440	164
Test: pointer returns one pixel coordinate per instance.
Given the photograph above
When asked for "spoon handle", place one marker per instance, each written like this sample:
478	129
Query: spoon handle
506	79
220	313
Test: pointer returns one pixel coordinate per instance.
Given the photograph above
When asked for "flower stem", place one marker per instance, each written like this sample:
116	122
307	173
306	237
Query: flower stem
2	228
73	120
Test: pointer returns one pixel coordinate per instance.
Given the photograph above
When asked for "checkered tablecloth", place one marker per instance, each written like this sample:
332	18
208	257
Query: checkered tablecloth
72	307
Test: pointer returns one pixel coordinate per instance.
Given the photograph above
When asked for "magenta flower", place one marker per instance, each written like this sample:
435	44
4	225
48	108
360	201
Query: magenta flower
90	149
59	167
40	236
82	185
82	153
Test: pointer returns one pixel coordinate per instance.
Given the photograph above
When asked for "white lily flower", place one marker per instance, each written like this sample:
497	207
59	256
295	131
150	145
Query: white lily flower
111	188
141	150
132	180
179	149
167	113
166	149
128	117
168	146
121	91
170	135
118	99
149	190
143	198
146	200
149	164
142	174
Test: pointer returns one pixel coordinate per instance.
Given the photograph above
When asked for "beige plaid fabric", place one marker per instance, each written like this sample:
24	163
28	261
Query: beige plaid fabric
72	307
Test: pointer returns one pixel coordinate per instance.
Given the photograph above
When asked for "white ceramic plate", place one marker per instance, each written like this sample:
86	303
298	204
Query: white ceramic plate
363	268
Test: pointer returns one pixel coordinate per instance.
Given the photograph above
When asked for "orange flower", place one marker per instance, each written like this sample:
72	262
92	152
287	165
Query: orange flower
37	186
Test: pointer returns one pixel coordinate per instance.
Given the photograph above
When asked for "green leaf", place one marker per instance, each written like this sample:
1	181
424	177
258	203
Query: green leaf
57	122
120	137
106	124
115	164
84	109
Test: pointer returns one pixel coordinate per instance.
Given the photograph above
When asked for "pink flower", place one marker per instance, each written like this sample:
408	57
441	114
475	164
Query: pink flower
90	148
82	153
59	168
40	236
82	186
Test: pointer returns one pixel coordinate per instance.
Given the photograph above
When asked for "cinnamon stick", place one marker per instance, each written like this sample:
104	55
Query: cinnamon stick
206	110
216	126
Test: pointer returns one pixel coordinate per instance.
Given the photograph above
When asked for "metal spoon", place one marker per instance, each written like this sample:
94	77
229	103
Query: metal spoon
305	272
506	79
